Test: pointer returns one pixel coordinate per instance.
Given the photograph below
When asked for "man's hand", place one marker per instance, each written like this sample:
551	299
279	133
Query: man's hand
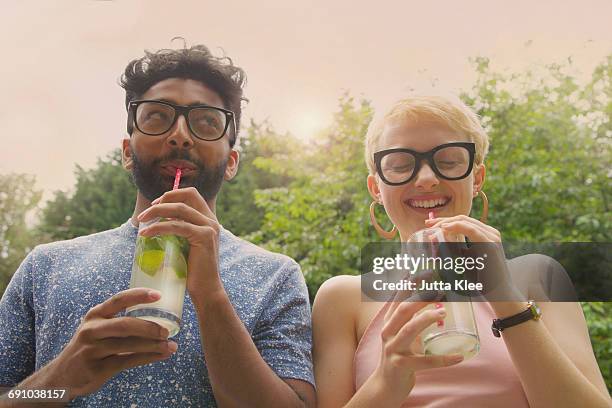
104	345
189	216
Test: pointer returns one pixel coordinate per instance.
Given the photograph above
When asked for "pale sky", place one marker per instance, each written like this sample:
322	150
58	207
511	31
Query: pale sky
61	104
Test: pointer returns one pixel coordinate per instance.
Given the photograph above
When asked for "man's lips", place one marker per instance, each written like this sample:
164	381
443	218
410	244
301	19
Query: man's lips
170	168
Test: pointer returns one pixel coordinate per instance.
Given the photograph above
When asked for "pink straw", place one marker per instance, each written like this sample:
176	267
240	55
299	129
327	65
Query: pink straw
177	178
438	305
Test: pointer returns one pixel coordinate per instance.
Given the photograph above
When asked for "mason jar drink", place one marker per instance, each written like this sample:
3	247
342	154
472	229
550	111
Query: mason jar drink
457	332
160	263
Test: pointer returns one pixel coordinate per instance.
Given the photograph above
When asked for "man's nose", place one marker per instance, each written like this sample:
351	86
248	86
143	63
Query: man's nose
426	178
180	136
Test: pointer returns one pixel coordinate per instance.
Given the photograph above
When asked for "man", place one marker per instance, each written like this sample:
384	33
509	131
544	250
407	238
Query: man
245	338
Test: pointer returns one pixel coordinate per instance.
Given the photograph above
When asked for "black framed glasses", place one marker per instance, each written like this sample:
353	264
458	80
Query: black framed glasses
450	161
154	118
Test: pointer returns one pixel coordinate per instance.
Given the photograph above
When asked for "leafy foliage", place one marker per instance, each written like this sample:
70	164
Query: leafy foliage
103	198
17	197
236	208
548	175
599	320
319	218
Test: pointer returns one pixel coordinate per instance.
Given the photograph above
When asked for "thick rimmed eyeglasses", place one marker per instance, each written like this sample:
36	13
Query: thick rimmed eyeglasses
450	161
157	117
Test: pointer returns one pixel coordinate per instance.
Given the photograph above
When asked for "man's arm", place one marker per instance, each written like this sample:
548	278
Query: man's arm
102	346
238	374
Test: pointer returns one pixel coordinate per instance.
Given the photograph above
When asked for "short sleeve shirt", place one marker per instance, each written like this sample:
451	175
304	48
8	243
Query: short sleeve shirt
59	282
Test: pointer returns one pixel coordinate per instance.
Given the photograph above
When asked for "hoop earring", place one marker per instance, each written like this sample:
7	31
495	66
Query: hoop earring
381	232
485	206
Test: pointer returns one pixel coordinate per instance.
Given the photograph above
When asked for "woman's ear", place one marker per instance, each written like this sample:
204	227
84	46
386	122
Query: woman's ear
126	155
373	188
479	178
232	165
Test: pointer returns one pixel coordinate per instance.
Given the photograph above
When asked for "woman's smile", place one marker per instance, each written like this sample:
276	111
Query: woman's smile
425	203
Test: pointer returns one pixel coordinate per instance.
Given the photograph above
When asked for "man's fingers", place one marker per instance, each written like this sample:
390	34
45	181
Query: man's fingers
124	327
122	300
117	363
179	211
132	345
189	196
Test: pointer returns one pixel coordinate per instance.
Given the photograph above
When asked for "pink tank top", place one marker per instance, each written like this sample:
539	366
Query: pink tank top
488	379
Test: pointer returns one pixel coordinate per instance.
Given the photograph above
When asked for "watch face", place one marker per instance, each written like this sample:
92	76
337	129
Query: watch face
535	310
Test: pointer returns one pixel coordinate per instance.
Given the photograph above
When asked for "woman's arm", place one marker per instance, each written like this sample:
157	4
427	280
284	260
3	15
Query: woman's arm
334	313
334	321
553	356
334	340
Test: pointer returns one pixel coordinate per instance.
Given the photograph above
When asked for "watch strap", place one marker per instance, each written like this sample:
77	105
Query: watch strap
532	313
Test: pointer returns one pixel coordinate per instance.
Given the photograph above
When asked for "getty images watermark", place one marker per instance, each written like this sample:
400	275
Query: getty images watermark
424	267
557	272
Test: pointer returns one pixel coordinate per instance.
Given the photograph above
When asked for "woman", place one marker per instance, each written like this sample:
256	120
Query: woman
362	350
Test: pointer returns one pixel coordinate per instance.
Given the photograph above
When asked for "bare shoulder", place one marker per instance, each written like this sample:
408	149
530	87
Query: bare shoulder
340	294
542	278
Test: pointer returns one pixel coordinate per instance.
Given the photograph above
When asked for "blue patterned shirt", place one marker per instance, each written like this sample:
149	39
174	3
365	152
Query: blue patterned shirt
59	282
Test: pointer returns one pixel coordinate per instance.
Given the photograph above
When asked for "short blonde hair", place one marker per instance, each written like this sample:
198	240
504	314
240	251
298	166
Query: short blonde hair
449	112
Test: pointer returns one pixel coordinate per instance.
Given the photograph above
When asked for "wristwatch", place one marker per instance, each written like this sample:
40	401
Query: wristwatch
532	313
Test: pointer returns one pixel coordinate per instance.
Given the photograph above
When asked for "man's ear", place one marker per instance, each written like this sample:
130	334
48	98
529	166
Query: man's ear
232	165
126	155
373	188
479	178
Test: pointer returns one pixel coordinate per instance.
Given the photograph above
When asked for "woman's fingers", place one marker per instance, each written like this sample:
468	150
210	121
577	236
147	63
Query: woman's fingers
426	362
402	314
403	296
410	330
473	232
436	222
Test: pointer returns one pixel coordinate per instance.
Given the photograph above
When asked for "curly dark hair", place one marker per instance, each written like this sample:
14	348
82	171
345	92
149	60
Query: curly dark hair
197	63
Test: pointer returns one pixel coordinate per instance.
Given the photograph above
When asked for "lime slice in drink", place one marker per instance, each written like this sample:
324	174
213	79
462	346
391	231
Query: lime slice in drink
150	260
180	266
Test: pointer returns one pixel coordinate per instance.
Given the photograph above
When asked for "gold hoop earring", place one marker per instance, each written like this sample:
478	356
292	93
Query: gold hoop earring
485	206
381	232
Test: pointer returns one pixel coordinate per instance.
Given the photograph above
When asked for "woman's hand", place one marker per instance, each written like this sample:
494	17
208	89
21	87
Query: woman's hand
485	242
475	230
401	348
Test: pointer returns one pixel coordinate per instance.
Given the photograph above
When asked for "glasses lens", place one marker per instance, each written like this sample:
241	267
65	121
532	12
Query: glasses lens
207	123
397	166
452	161
154	118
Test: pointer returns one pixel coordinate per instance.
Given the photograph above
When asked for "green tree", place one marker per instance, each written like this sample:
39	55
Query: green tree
236	207
321	219
548	173
103	198
18	197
